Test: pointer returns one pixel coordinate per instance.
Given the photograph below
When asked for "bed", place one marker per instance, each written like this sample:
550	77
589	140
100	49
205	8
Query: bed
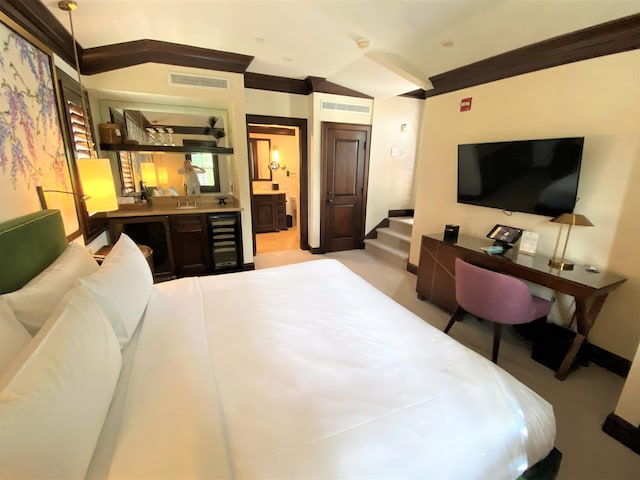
301	371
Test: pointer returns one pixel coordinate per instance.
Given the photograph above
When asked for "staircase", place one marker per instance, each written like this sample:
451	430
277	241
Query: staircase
392	244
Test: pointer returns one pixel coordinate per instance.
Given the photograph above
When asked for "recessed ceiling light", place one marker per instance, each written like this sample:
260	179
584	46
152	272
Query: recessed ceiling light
364	43
447	42
259	39
287	59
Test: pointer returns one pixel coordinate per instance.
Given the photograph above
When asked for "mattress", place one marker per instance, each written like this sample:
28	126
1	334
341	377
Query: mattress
308	371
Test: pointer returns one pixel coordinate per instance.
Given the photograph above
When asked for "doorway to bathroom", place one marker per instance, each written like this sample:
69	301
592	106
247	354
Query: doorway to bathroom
278	167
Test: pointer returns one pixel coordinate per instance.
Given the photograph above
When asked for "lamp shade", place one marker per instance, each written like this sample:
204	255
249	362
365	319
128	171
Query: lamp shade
573	219
148	172
163	177
97	184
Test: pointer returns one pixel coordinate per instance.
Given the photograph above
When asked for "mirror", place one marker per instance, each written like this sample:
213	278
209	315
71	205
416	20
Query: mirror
260	158
174	127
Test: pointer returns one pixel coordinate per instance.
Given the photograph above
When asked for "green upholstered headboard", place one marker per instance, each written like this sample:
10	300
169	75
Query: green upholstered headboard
28	245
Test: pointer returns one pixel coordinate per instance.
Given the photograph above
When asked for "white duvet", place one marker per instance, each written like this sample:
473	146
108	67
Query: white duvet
307	371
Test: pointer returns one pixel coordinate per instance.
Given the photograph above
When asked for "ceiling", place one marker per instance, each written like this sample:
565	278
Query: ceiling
409	41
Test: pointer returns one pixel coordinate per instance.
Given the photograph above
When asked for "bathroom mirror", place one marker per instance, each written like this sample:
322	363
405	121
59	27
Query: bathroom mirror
260	158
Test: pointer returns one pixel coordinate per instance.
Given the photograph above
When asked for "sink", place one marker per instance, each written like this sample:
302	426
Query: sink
186	207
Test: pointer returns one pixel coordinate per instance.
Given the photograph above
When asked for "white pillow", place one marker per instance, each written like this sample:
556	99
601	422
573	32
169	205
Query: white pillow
55	395
33	303
13	336
122	287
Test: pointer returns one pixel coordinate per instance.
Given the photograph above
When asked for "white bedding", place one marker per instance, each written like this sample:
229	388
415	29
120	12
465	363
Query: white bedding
307	371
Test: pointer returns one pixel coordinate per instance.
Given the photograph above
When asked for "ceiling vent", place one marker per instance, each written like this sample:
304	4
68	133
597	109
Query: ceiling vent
346	107
183	79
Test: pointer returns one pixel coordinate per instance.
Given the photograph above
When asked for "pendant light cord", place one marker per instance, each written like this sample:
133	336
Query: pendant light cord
92	152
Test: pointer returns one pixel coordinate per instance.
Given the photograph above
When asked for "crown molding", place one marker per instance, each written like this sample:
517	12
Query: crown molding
321	85
608	38
616	36
121	55
273	83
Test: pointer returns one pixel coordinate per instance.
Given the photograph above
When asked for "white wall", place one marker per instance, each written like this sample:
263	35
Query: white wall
597	99
391	175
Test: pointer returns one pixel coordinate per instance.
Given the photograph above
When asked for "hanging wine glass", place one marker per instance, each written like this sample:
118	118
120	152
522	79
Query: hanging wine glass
161	139
151	134
170	139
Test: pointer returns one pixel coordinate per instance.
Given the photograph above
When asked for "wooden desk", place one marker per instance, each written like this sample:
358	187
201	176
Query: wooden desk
436	280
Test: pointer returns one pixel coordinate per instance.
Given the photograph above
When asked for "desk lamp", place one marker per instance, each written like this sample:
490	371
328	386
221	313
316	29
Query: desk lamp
570	219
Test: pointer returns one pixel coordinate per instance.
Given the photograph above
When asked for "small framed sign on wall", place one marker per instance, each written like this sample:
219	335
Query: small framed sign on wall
32	149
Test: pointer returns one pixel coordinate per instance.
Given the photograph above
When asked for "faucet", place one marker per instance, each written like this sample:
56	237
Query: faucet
186	195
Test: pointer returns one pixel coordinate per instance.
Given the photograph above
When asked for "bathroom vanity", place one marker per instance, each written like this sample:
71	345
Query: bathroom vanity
269	211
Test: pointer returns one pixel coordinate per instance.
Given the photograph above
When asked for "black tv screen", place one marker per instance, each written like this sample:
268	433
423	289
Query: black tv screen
530	176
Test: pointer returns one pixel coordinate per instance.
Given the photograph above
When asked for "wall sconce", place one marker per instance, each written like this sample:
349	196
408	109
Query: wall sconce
570	219
97	184
275	162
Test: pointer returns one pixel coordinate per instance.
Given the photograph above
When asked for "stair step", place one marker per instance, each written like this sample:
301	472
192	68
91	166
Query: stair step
394	238
401	224
387	253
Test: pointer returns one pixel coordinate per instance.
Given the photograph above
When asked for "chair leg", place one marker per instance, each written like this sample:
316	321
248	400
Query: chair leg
457	316
497	333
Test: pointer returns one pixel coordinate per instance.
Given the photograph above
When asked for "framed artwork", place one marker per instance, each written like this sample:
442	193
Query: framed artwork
32	149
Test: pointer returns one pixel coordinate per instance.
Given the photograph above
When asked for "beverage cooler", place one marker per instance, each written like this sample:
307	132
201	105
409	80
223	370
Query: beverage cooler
226	241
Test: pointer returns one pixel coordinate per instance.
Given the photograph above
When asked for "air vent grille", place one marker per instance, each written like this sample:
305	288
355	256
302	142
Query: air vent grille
183	79
346	107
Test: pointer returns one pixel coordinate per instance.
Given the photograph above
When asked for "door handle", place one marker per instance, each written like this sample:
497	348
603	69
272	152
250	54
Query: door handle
329	198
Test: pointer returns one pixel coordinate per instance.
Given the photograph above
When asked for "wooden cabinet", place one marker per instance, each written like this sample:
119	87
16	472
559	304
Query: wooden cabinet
436	275
269	212
151	230
186	244
190	237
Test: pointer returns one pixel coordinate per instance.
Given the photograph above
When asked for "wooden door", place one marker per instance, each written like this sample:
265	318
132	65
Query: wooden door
345	169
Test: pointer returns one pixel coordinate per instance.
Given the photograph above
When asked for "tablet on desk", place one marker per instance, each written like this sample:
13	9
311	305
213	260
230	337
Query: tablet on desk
504	235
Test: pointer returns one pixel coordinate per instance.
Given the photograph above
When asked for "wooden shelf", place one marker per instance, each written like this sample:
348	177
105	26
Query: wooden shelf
119	147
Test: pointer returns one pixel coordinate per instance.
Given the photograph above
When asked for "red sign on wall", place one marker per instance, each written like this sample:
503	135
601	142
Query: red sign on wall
465	104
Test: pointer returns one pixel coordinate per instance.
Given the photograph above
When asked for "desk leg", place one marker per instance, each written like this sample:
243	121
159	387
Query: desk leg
586	313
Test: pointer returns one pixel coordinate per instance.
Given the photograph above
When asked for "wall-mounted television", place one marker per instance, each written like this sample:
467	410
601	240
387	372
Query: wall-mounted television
530	176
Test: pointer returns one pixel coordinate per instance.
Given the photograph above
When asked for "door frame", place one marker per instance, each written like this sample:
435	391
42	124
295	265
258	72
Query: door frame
303	176
325	126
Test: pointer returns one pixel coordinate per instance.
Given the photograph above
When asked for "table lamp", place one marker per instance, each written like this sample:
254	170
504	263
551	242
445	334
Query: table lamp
570	219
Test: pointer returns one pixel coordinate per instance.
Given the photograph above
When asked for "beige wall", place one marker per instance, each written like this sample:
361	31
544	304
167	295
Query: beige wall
391	174
597	99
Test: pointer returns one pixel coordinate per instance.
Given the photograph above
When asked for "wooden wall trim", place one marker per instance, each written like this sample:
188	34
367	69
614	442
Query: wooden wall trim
272	83
605	39
121	55
267	130
303	175
626	433
411	268
321	85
